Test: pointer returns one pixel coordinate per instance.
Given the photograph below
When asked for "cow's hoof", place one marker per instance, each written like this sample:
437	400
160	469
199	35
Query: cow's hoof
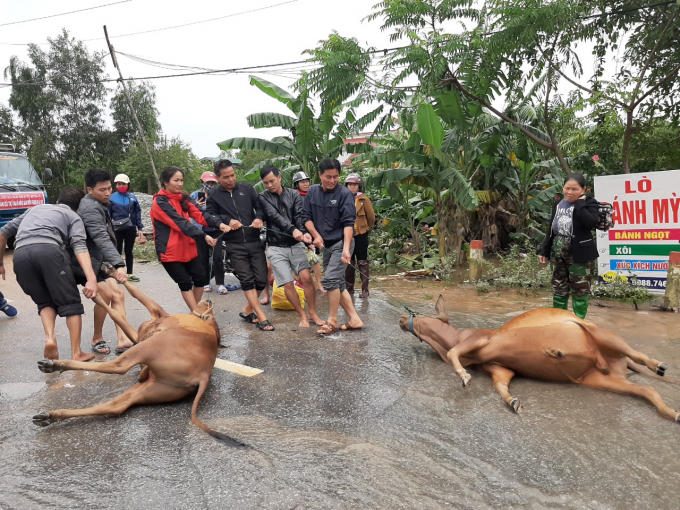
42	420
48	366
516	405
661	369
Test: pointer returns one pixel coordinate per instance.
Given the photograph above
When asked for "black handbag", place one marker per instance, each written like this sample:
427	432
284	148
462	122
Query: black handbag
125	223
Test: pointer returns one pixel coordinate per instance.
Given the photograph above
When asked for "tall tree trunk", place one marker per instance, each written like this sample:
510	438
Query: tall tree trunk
627	136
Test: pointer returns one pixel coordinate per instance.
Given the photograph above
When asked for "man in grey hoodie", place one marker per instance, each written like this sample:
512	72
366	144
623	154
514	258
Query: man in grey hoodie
43	269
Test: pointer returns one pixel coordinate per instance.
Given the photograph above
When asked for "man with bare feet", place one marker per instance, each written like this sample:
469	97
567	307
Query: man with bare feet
102	245
236	205
43	268
330	214
286	235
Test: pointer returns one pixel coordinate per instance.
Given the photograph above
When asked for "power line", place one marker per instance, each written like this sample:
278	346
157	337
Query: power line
63	14
175	26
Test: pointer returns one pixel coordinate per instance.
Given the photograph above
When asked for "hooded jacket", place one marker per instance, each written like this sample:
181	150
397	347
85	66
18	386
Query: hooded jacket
241	204
172	228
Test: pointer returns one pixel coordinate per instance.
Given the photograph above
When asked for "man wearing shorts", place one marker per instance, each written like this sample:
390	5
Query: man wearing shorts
330	214
43	267
286	235
236	204
102	245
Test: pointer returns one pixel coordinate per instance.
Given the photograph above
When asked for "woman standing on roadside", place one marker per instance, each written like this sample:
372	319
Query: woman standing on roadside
364	222
570	246
126	215
171	214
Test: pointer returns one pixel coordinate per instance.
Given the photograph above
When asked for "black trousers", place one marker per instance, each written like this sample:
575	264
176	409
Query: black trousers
360	247
187	275
249	263
44	273
206	251
127	237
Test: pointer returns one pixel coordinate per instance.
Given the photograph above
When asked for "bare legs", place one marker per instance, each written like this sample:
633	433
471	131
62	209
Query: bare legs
337	299
192	297
310	295
74	323
253	305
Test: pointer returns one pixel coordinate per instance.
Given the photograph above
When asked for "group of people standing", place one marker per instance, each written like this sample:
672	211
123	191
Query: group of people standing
322	217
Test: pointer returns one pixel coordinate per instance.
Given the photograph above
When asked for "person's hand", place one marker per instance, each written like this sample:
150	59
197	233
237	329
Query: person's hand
346	256
307	239
211	241
225	228
200	202
120	275
257	223
141	238
2	271
318	242
542	259
297	235
90	290
235	224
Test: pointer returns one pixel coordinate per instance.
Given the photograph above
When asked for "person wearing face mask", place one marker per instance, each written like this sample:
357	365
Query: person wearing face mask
126	215
205	251
570	247
365	221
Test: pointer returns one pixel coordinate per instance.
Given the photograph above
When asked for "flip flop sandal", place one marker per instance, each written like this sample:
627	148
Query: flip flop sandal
222	290
264	324
326	329
207	288
347	327
232	287
100	348
121	350
249	318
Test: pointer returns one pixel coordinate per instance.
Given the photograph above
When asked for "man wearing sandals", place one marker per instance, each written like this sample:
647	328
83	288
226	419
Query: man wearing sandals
286	235
330	214
101	244
236	204
43	268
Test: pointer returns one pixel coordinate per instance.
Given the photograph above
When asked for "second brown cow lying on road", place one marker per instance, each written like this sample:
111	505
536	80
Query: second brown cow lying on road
177	353
546	344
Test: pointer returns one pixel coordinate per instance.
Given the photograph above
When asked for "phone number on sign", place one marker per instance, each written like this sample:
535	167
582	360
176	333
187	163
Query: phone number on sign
649	283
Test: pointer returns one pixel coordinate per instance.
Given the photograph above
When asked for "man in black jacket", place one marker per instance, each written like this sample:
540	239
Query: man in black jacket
330	214
286	235
236	204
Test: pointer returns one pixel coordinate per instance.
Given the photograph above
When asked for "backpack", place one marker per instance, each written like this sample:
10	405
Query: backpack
605	216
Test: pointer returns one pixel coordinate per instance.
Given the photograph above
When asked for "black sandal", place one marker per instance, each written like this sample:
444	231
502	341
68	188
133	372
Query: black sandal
261	325
100	348
249	318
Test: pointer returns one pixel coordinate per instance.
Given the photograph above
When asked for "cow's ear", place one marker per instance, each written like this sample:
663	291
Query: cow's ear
441	311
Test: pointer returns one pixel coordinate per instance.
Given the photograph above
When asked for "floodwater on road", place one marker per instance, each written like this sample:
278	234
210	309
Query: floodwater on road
362	419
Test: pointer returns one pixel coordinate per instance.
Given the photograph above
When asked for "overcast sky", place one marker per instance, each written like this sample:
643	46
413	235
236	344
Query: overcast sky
202	110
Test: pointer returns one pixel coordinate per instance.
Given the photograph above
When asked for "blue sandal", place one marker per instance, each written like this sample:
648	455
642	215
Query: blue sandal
222	290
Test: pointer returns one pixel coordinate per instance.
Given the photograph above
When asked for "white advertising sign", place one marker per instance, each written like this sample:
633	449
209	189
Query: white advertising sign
647	226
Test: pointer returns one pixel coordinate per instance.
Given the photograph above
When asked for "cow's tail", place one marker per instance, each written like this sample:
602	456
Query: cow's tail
194	419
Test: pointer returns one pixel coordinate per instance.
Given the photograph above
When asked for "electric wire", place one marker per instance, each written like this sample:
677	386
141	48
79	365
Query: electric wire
62	14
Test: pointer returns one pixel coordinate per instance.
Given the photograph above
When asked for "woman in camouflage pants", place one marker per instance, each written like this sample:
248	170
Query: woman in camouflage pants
570	246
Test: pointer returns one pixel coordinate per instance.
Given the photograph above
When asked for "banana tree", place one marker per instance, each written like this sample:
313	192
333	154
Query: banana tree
310	138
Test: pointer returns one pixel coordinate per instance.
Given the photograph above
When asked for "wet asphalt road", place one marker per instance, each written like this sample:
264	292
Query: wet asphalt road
370	419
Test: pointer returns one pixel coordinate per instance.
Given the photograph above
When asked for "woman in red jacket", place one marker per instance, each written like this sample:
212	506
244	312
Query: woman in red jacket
171	214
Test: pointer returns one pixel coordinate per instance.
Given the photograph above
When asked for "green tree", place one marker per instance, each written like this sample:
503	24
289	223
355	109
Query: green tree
143	96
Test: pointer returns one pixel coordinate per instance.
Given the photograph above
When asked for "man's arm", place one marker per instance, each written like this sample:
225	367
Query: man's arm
85	262
214	217
348	235
9	230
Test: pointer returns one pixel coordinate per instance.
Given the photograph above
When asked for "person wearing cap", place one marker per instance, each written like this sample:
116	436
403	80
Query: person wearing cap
205	251
364	222
126	215
301	183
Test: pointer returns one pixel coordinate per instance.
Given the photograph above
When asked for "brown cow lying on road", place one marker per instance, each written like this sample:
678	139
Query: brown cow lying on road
547	344
178	353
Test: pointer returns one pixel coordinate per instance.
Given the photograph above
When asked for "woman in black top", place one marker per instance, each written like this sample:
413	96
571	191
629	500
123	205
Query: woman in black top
570	246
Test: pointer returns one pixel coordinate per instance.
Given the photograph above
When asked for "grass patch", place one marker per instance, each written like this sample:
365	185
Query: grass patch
521	268
428	296
145	252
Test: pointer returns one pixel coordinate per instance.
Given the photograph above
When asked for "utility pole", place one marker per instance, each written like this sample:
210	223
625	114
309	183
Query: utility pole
132	108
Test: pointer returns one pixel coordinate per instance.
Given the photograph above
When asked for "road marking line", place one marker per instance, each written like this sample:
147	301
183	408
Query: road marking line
236	368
